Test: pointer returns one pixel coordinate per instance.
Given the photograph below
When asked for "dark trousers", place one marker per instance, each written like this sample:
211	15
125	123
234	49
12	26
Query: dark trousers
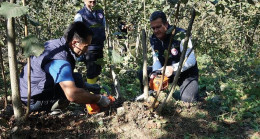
188	85
45	100
90	60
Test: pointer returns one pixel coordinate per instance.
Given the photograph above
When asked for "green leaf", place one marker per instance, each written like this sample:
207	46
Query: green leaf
116	58
179	36
1	43
248	114
184	1
101	62
139	6
166	8
173	2
32	46
214	1
169	31
12	10
257	109
117	70
251	2
33	22
197	14
219	7
97	7
117	33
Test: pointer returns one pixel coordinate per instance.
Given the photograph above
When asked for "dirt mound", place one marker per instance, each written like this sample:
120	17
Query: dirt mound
134	120
127	120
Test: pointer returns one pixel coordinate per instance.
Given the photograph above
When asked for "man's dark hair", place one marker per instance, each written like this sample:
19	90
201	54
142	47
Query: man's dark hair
77	30
158	14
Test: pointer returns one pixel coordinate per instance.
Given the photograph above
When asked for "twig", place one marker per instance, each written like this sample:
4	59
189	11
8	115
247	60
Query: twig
28	69
145	77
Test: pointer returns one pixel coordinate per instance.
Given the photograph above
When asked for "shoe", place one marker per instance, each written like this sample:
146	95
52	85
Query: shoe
60	104
141	97
56	112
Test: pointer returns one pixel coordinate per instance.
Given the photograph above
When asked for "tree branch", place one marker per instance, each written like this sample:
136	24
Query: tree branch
145	77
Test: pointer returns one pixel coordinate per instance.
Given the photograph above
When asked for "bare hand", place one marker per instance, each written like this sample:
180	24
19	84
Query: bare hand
153	75
168	71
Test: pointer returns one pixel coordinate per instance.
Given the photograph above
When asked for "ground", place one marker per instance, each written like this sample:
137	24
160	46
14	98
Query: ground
127	120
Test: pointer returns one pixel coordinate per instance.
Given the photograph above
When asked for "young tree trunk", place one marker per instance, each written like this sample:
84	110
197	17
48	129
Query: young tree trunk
137	42
145	76
116	83
144	14
28	69
17	105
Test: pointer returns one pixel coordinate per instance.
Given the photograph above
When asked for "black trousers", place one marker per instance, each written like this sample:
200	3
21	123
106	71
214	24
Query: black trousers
188	86
90	60
45	100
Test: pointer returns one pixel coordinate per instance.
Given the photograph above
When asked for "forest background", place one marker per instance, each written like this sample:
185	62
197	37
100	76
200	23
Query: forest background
225	35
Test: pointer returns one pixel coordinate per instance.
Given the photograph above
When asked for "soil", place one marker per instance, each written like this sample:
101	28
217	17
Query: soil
126	120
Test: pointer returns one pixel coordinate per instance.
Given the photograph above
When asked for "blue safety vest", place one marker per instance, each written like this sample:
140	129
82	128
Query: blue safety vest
40	80
174	57
95	21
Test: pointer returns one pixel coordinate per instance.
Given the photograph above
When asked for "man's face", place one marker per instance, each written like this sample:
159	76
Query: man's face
90	4
80	48
159	28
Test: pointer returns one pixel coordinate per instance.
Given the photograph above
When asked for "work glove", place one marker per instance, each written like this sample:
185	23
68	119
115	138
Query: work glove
95	88
141	97
104	101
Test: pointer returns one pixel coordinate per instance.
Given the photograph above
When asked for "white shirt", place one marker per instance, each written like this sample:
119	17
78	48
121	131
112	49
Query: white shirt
191	61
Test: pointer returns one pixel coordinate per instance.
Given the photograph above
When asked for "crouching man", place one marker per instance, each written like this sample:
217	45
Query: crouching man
53	82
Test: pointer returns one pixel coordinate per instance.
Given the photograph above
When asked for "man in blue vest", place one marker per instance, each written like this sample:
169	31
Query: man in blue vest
94	18
188	80
52	79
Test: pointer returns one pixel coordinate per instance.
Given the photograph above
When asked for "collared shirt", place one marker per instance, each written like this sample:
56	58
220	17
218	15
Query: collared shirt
163	45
